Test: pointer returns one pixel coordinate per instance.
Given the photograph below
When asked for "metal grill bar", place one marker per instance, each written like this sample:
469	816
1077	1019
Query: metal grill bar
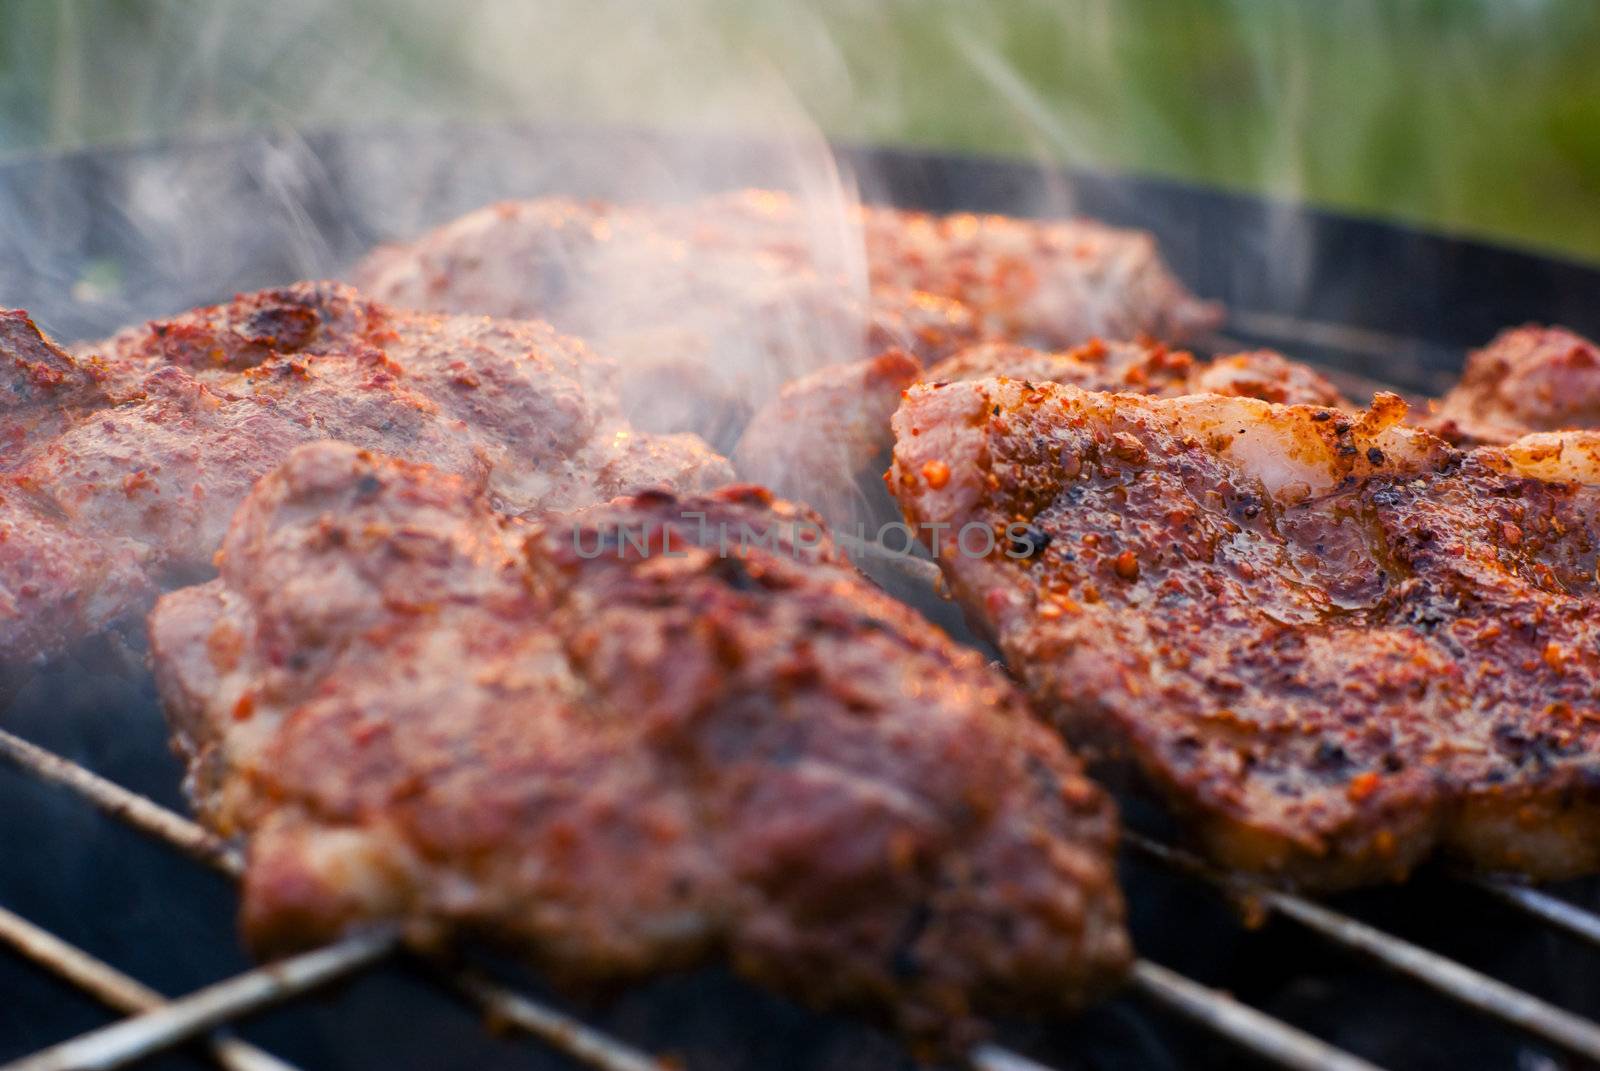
143	814
1463	984
993	1058
1470	987
561	1031
1440	973
115	989
919	570
587	1044
1542	906
1260	1034
150	1032
1255	1030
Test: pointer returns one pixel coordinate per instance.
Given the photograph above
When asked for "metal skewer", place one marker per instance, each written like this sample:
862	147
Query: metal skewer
1253	1030
1463	984
555	1028
161	1027
115	989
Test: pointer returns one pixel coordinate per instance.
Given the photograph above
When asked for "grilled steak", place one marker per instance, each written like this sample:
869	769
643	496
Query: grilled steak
1529	378
604	740
1337	645
129	464
1145	367
822	433
712	305
42	388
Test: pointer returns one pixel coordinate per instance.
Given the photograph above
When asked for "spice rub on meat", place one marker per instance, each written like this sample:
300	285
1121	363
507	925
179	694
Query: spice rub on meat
623	760
712	304
1047	282
1337	645
1530	378
129	461
823	432
1145	367
43	389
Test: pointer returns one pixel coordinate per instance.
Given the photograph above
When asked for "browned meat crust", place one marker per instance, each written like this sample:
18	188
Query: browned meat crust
710	307
1145	367
1051	283
1529	378
1336	645
417	710
824	431
42	388
1264	374
1048	282
125	482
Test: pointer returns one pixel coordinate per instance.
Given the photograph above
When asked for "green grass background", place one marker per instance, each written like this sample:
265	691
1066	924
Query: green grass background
1476	116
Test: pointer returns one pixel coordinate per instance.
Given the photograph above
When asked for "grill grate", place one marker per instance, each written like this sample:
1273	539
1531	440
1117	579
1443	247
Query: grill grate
116	989
155	1024
1377	303
165	1024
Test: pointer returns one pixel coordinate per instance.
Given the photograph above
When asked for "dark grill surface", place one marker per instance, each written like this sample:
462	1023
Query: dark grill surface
82	248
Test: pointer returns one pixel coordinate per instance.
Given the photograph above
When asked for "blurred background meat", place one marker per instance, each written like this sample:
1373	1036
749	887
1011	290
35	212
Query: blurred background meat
133	487
711	305
1529	378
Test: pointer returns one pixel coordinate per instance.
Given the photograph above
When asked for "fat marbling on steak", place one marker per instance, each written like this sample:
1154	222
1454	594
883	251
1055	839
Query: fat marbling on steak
1337	645
124	464
626	760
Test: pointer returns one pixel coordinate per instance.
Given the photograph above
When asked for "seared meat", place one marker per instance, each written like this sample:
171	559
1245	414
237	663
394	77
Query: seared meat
1046	282
712	305
709	309
626	760
1145	367
1263	374
1529	378
125	483
824	431
42	389
1052	282
1337	645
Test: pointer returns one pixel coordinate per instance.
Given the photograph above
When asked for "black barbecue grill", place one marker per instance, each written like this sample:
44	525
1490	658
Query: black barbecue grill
1448	971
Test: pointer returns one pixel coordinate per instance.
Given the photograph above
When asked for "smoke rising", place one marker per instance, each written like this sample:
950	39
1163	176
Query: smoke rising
1221	91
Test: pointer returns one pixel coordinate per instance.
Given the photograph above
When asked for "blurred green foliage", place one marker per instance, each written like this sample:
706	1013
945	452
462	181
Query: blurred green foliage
1480	116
